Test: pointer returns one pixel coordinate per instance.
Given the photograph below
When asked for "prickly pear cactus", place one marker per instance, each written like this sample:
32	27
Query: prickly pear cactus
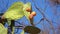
3	30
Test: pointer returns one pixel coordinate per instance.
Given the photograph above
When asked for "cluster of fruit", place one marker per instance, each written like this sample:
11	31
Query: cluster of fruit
32	13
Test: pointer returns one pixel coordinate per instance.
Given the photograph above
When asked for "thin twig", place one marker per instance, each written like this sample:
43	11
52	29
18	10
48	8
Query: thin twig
50	22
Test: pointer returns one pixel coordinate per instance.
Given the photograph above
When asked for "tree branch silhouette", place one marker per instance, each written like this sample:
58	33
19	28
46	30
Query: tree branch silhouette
44	17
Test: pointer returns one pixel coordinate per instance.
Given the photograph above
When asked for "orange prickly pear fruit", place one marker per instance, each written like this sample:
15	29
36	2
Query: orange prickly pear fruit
33	13
31	16
28	9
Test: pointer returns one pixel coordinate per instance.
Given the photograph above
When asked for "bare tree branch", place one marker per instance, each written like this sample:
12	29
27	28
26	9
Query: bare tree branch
42	12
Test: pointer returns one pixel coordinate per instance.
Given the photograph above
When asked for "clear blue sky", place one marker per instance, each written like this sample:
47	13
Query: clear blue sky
41	4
